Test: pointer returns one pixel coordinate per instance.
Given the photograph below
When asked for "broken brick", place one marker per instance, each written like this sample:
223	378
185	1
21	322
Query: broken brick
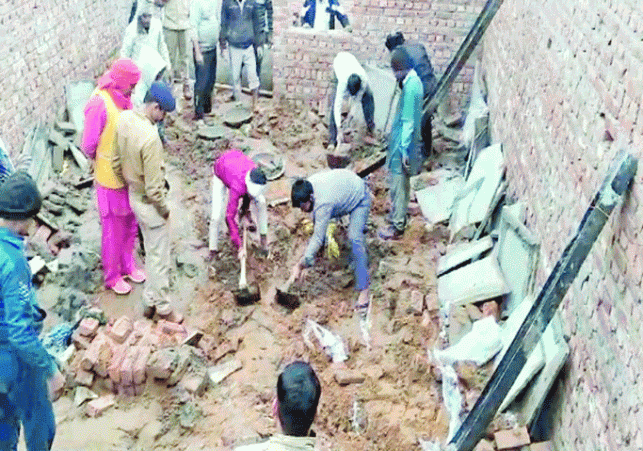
88	327
115	366
127	366
85	378
347	377
195	383
512	438
171	328
121	329
417	303
105	354
193	337
432	302
99	405
541	446
484	445
140	365
81	342
90	356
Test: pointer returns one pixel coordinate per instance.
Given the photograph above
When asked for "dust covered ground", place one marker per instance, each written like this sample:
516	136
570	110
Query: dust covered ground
399	400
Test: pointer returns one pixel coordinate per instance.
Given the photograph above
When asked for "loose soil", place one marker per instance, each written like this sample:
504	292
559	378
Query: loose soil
400	399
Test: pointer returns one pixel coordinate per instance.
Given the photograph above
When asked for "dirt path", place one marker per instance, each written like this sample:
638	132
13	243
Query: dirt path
399	397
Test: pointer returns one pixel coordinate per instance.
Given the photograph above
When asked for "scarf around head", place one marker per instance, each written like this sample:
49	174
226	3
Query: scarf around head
119	78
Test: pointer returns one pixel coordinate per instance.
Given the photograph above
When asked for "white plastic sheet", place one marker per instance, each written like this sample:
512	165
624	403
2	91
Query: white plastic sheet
478	346
332	343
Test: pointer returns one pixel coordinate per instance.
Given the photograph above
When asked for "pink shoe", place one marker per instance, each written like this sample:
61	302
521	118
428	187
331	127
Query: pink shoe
137	276
121	287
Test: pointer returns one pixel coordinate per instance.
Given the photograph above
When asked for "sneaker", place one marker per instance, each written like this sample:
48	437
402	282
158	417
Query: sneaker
121	287
137	276
390	233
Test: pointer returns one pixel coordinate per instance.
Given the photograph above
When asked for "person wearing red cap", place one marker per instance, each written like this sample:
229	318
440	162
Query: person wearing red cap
119	227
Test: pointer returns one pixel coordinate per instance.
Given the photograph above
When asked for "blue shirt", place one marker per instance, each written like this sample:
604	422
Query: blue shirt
20	316
406	131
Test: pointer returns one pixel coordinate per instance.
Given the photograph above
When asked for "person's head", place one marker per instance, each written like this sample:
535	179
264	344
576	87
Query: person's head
122	76
158	101
394	40
302	195
144	14
256	182
20	201
298	393
401	63
353	84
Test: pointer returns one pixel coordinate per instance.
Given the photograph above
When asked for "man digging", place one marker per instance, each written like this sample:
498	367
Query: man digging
333	194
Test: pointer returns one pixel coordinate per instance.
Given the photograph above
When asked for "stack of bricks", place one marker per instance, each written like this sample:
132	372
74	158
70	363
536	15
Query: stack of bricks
119	353
45	46
303	58
565	97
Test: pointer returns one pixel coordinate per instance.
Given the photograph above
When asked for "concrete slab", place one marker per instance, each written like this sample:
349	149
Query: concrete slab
478	281
436	201
513	323
212	132
236	116
473	202
464	253
517	253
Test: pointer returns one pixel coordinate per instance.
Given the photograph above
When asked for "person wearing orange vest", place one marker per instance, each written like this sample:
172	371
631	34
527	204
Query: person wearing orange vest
119	226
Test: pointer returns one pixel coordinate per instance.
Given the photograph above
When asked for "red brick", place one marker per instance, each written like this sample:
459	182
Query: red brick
140	365
171	328
121	329
80	341
88	327
511	438
91	355
127	366
85	378
541	446
114	369
97	406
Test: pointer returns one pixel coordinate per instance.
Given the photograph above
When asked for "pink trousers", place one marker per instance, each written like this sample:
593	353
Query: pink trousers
120	230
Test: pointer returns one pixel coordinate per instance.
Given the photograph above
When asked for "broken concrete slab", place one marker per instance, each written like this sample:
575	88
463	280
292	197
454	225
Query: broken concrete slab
436	200
463	253
236	116
473	202
479	281
512	438
218	373
517	253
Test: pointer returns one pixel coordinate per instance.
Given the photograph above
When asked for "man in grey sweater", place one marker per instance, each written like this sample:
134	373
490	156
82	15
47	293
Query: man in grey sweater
333	194
206	23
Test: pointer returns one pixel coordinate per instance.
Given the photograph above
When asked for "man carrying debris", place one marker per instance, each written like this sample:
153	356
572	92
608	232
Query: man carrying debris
139	162
237	174
423	68
333	194
29	376
144	43
119	227
242	27
404	157
298	393
204	17
350	82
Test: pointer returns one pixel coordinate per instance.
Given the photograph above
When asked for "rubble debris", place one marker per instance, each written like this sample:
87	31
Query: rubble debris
219	373
77	94
331	343
82	394
97	406
162	363
510	439
436	200
348	377
121	329
473	202
88	327
464	253
478	346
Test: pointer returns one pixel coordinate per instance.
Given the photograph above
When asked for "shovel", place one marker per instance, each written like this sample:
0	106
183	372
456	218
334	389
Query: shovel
246	295
285	298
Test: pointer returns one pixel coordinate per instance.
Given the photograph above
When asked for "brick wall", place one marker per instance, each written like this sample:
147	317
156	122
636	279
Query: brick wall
565	87
303	58
43	46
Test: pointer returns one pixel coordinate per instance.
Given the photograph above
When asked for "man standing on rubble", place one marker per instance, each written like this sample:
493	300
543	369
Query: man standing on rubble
405	156
29	376
118	223
349	81
423	68
242	27
294	408
139	161
333	194
176	29
237	174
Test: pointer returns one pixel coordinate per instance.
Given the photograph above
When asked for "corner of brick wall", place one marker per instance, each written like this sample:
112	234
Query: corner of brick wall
565	89
45	46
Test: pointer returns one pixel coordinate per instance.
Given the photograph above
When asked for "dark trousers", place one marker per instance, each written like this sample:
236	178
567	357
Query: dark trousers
368	108
205	76
427	133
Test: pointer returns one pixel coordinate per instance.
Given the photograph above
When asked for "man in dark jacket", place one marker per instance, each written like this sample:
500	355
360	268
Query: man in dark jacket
424	70
28	374
321	15
242	26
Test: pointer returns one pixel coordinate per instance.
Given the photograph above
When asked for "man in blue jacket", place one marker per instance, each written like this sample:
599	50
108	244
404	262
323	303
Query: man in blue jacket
320	15
28	374
405	156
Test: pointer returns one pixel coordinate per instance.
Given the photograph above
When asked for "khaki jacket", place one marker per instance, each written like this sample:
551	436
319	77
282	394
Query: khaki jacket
139	161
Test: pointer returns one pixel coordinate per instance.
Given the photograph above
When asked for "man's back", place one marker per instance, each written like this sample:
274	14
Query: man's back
422	66
339	190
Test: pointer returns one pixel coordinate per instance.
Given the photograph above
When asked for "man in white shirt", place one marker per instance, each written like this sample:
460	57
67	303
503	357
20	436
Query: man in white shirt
350	82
